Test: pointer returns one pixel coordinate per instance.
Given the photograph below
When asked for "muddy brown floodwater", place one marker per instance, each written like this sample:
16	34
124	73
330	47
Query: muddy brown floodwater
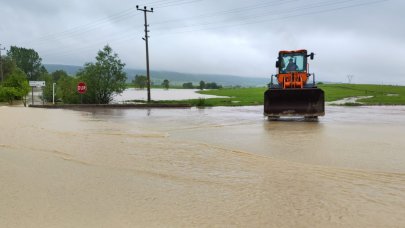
201	168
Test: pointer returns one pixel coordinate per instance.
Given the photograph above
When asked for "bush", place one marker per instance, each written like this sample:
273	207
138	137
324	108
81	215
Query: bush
104	78
15	87
188	85
8	94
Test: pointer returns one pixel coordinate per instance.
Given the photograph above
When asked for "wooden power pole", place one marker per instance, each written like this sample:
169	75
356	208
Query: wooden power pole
1	64
146	39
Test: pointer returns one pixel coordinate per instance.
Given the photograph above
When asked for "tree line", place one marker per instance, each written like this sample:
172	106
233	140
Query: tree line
140	81
17	67
203	85
105	77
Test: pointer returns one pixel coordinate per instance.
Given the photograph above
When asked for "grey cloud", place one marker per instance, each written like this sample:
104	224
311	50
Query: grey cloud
354	40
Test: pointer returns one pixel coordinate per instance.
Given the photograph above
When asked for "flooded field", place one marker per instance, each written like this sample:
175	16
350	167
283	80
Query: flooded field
160	94
201	168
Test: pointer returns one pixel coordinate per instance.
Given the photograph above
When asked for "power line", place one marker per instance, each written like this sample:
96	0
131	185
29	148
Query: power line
273	12
247	21
183	26
121	36
257	21
261	5
91	26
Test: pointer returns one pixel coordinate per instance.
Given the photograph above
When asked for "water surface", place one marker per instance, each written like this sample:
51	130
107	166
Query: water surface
353	137
215	167
160	94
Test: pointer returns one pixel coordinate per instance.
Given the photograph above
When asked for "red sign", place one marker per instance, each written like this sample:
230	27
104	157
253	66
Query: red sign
81	88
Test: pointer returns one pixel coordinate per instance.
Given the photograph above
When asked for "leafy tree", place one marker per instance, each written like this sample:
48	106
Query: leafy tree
140	81
212	85
166	84
47	92
9	66
8	94
27	60
202	85
188	85
49	79
104	78
58	74
15	87
67	90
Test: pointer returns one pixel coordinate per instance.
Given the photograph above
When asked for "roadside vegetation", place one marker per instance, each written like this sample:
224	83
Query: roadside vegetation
21	65
18	66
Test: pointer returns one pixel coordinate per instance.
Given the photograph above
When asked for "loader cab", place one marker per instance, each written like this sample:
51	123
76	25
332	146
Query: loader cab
292	62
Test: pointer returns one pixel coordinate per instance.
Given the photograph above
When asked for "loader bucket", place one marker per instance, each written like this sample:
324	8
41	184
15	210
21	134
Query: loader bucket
306	102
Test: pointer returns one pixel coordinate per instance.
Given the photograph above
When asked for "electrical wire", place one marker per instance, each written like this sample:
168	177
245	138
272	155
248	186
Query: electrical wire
258	18
247	21
94	25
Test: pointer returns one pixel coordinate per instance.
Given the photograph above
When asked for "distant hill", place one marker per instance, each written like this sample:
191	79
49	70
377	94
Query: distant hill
177	78
71	70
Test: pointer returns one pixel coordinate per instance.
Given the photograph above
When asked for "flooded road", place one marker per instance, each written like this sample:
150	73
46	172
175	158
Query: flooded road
214	167
369	138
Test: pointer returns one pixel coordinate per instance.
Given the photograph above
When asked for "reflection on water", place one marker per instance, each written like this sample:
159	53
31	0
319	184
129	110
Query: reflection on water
353	137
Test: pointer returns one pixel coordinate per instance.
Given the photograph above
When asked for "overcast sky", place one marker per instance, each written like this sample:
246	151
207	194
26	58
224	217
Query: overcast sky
364	38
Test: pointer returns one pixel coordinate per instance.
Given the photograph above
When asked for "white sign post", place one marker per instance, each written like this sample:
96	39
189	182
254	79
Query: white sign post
53	93
38	84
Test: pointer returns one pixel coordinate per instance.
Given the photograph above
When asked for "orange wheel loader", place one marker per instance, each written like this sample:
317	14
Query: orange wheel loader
293	94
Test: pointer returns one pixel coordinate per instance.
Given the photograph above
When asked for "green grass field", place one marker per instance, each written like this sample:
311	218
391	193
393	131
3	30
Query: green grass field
381	94
238	97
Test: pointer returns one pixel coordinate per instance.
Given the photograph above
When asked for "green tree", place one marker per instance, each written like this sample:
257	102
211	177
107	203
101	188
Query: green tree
212	85
166	84
67	90
49	80
8	94
15	87
104	78
9	66
188	85
27	60
47	91
202	85
58	74
140	81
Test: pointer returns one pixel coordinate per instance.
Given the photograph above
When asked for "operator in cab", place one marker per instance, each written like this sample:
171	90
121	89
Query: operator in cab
291	66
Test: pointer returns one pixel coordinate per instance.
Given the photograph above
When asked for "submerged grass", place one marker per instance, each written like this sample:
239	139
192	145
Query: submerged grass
380	94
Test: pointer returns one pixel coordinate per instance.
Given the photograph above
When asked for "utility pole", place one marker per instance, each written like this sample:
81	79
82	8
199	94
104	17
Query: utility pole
350	78
1	64
146	39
